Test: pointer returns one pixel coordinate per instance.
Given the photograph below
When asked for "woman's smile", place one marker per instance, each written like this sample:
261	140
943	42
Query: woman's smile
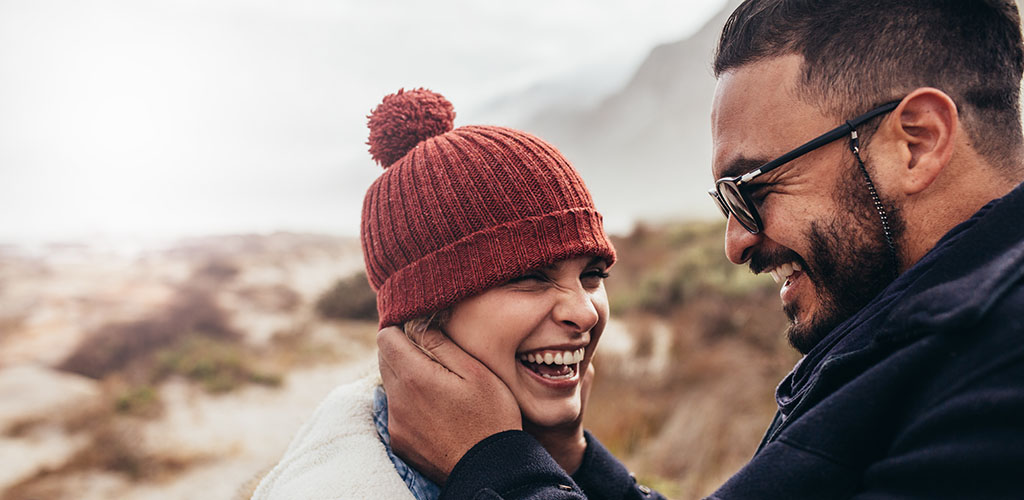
557	369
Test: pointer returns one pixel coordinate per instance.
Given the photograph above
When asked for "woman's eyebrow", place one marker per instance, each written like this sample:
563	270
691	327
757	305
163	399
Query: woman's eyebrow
554	266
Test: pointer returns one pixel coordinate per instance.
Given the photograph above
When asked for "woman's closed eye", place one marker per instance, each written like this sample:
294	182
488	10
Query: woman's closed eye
533	277
592	278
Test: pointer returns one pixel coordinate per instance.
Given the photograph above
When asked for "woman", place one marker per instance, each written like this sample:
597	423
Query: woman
488	234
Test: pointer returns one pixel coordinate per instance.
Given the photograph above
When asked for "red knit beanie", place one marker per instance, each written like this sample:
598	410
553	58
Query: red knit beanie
459	211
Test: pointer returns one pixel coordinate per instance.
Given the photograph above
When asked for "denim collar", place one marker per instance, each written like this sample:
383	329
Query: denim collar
420	487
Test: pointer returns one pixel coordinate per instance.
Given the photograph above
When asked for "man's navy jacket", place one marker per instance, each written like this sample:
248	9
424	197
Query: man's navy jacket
918	395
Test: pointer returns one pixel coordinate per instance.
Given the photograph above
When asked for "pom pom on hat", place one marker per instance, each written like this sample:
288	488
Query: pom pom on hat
403	120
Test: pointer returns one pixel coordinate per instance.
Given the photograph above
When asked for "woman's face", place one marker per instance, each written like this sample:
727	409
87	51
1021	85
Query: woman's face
538	333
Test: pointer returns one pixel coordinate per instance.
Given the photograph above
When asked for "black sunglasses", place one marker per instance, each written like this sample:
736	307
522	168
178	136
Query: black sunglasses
733	201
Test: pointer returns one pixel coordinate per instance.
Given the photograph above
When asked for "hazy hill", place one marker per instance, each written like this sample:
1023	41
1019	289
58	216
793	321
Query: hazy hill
645	149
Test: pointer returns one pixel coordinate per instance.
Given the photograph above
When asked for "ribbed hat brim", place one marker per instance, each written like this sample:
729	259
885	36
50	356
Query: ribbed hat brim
442	278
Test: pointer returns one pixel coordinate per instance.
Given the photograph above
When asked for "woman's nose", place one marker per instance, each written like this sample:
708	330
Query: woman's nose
576	309
739	242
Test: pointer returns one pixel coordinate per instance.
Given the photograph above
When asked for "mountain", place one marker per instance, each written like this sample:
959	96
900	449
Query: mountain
645	150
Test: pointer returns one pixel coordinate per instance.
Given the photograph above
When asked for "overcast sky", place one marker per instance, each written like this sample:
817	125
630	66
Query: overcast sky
169	118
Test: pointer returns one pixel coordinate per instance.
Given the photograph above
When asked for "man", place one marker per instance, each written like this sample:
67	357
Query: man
897	236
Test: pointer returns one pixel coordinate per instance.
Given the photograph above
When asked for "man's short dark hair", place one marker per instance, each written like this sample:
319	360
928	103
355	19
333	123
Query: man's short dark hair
861	53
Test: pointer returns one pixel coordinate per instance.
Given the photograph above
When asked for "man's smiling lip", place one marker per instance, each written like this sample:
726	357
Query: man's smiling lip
788	291
788	274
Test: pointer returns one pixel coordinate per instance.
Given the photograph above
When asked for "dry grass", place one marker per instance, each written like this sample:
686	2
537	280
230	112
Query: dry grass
192	337
333	341
114	448
10	324
684	427
277	298
113	347
113	428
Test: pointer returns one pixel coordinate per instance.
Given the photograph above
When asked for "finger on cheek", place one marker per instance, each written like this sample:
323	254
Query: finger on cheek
387	374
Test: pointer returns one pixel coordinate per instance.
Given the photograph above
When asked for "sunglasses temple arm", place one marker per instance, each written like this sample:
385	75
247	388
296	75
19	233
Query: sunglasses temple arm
827	137
809	146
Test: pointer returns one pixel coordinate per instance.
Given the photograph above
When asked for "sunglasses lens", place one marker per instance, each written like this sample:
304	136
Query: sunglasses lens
730	194
719	203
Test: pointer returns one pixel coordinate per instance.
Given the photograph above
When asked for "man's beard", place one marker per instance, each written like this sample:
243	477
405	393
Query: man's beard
849	262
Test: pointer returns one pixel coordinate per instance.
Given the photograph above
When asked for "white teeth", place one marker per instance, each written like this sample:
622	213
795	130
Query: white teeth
784	271
560	358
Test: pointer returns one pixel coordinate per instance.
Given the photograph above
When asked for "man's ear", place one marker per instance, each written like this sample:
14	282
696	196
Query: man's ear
924	127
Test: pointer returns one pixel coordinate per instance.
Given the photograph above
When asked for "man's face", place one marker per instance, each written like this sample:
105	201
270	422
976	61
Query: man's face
822	239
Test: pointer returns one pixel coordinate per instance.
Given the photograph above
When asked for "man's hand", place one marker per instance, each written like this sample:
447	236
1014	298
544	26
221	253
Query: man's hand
439	409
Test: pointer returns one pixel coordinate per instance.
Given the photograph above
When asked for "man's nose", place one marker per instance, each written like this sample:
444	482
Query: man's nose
739	242
576	310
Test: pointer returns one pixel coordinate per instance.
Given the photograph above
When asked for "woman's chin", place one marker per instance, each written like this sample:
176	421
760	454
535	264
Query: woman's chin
551	416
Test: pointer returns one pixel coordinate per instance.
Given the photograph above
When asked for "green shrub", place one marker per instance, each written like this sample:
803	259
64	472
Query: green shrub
141	400
217	365
349	298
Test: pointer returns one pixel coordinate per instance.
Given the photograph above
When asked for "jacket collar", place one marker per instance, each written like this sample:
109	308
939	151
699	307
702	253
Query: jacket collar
967	272
952	286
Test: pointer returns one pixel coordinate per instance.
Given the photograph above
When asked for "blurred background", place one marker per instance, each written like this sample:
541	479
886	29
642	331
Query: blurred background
181	182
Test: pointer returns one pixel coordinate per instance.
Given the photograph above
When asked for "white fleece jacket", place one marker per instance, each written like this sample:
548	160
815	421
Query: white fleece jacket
337	454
